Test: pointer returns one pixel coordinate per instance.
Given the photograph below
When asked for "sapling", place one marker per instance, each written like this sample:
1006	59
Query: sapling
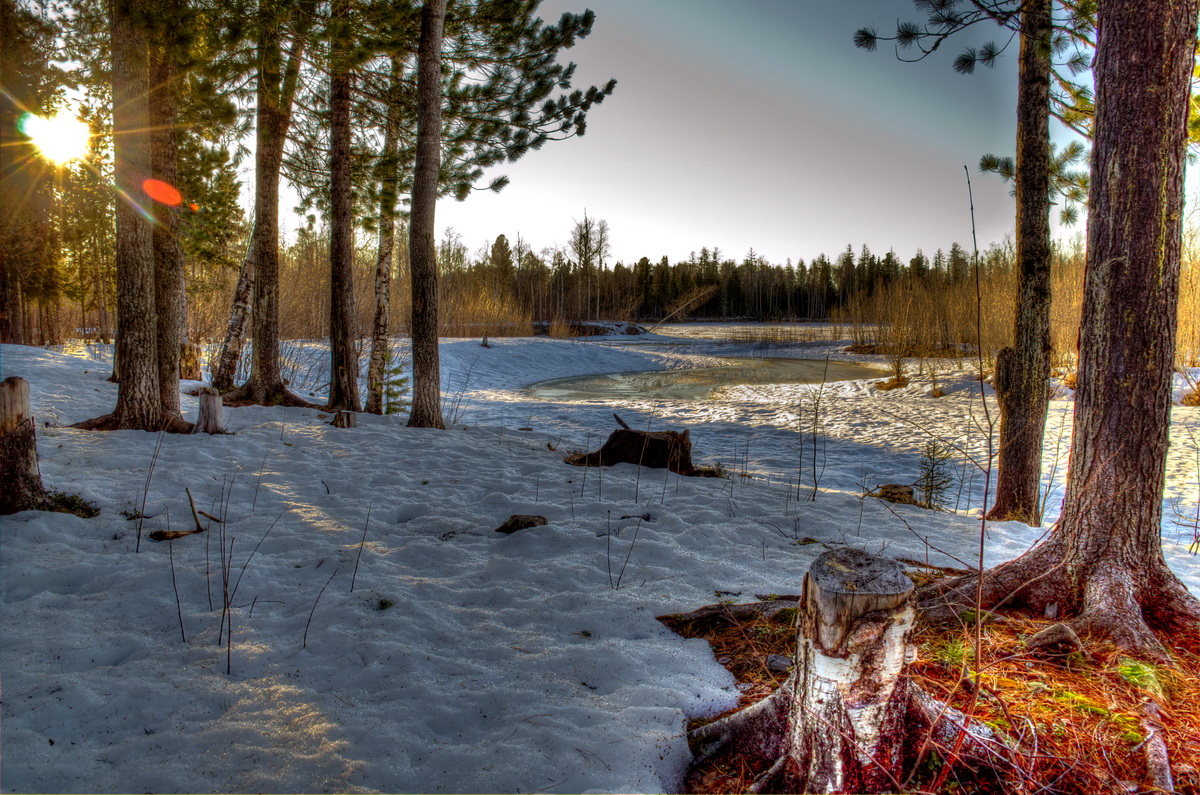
936	475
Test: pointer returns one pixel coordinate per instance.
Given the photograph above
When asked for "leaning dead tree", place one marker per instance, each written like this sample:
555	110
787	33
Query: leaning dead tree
846	720
22	480
658	449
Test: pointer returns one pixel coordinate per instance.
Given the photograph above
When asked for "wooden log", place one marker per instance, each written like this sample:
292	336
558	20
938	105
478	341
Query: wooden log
345	419
846	731
22	480
211	418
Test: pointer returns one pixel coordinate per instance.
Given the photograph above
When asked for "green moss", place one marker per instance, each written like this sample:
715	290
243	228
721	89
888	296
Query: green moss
61	502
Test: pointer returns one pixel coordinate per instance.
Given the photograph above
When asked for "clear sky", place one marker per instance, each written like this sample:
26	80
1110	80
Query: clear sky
757	123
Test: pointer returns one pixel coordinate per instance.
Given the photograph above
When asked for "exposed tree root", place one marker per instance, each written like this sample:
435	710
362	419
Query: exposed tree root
171	423
250	394
759	734
756	732
711	615
938	726
1158	761
1113	603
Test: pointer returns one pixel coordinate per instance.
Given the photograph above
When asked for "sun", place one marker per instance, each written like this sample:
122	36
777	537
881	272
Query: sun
59	139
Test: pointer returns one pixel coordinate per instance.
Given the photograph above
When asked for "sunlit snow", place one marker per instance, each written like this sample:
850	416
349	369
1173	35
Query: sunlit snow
463	660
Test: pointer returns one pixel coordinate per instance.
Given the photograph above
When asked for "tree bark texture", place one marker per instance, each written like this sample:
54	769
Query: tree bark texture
343	375
1103	565
138	397
1112	514
426	403
19	471
235	329
168	254
841	721
377	365
275	93
1023	371
846	727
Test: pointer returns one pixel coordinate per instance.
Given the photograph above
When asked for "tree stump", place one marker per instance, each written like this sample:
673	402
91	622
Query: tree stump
659	450
846	730
211	418
22	489
345	419
189	362
840	721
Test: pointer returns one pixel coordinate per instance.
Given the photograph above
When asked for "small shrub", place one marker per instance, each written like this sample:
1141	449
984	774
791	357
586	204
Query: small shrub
936	476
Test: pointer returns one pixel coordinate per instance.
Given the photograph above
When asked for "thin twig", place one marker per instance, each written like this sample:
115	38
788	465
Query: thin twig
361	541
316	601
146	491
174	584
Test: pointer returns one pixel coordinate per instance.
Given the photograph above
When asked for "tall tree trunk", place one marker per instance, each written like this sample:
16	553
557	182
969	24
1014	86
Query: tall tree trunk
139	404
426	404
376	374
343	376
235	329
168	254
1103	565
275	92
1023	371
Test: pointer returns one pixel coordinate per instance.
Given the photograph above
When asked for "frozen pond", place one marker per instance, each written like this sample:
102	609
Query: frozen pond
699	383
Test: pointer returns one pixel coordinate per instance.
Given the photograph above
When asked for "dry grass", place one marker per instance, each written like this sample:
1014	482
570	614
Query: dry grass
899	382
1080	715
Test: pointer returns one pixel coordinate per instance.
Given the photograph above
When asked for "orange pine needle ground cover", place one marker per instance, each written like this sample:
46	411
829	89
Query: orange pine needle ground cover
1081	717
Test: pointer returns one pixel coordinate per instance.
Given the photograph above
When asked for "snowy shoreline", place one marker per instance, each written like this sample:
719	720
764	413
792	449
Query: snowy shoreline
463	660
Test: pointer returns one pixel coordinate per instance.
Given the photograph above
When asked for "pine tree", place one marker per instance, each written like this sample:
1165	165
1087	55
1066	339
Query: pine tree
1044	88
426	402
30	81
275	24
1102	565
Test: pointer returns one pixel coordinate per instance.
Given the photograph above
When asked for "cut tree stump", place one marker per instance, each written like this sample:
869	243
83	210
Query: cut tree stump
839	722
657	449
345	419
846	720
212	415
856	620
22	480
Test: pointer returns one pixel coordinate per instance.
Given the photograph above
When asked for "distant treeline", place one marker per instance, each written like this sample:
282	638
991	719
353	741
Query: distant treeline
922	303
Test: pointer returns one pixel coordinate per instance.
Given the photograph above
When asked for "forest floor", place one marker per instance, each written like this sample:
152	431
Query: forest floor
380	635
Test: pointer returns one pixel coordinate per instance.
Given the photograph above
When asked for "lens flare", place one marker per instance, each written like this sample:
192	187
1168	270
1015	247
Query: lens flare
58	139
162	192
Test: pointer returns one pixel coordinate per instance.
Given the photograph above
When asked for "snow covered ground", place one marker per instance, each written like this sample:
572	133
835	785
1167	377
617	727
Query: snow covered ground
421	650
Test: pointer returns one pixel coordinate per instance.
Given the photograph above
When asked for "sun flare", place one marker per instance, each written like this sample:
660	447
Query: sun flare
59	139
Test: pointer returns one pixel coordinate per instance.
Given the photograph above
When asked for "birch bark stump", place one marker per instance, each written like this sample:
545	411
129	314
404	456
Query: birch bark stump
839	723
18	450
847	726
